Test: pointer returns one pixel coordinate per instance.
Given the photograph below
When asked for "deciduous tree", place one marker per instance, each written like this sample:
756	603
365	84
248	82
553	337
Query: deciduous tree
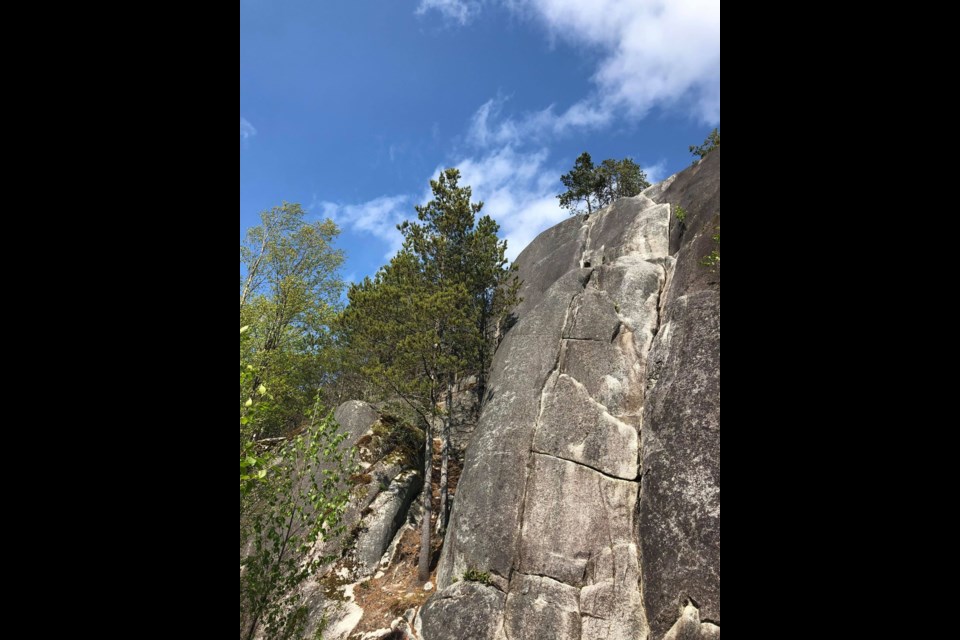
289	294
299	503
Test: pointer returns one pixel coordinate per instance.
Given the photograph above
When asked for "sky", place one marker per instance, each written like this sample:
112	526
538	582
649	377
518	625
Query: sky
350	108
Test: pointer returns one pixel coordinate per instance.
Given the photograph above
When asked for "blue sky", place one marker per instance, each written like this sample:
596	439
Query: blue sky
350	108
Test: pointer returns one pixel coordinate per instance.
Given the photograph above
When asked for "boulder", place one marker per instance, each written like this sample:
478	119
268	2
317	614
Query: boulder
384	517
355	419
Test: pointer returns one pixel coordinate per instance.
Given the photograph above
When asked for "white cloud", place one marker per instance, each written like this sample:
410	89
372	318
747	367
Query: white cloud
654	53
246	129
459	11
378	217
656	172
518	190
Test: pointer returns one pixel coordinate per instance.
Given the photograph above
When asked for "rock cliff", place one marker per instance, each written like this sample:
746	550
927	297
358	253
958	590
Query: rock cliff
590	492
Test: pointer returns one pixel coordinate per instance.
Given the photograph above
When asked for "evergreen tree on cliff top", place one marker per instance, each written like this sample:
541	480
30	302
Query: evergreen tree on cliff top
591	187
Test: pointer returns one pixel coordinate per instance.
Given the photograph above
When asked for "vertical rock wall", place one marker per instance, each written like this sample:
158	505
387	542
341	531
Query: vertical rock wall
590	490
679	514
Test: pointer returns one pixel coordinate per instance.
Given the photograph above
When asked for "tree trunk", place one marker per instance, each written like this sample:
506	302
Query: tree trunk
445	463
254	270
253	627
423	569
482	352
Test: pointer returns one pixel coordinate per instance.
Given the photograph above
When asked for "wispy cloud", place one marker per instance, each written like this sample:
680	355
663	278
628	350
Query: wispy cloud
459	11
378	218
488	127
518	190
246	129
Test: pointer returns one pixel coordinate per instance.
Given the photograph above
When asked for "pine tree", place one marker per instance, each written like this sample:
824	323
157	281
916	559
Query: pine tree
598	186
619	179
582	185
433	314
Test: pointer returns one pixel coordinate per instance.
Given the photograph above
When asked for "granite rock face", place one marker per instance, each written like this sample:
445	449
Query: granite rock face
679	512
610	375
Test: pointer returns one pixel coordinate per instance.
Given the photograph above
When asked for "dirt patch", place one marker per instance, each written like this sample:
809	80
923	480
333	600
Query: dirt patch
386	598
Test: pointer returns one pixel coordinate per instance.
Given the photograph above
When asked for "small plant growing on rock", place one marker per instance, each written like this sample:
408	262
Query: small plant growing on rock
712	259
680	214
474	575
